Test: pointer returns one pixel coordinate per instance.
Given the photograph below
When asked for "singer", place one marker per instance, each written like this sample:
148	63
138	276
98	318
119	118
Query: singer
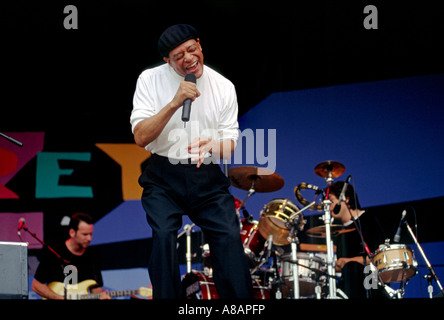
351	253
178	178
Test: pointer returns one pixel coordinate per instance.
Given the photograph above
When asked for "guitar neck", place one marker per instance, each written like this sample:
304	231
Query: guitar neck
112	294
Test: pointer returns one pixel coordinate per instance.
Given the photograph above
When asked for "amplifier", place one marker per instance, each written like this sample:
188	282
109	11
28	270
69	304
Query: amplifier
13	270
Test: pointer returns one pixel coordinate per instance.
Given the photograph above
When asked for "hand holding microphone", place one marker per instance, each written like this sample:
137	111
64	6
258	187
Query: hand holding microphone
186	109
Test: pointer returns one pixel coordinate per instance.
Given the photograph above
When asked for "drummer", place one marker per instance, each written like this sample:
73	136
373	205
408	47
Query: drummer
351	254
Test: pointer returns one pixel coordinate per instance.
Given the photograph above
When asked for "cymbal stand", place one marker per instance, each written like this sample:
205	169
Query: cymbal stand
293	243
330	254
329	178
432	275
184	230
294	259
187	228
250	193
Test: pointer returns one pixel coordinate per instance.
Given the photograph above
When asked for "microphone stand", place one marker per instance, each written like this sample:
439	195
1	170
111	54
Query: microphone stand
20	144
367	252
45	245
66	262
432	275
277	278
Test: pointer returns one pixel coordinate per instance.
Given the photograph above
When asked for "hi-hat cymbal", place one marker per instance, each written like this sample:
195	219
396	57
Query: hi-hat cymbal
329	169
264	179
335	230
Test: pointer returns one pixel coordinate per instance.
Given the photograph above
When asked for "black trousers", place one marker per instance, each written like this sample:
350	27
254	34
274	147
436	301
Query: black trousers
172	190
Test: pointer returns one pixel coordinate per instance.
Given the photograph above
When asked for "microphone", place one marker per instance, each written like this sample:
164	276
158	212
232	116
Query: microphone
342	196
20	225
190	77
397	236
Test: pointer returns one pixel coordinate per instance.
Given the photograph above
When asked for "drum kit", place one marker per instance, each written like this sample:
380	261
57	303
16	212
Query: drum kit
271	244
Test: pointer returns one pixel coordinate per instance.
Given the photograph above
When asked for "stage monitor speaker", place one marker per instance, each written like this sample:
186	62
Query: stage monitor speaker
13	270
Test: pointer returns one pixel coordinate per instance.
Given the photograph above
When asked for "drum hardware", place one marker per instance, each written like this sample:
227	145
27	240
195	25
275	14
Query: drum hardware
184	231
327	170
328	219
197	285
310	274
245	213
296	225
432	275
276	281
293	242
187	229
296	214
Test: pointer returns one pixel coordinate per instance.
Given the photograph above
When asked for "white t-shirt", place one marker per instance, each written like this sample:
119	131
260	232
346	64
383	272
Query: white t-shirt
213	114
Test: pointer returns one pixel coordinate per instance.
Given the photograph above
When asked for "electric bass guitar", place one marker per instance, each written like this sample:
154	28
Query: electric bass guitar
80	291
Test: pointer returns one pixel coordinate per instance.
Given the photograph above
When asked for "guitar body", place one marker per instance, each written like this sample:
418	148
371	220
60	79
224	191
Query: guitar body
80	291
74	291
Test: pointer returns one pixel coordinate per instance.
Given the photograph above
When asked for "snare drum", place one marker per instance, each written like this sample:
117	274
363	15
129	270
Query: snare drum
198	285
395	262
310	269
252	240
275	217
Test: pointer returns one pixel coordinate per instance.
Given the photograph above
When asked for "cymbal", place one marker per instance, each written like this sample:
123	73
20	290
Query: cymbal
264	179
324	169
335	229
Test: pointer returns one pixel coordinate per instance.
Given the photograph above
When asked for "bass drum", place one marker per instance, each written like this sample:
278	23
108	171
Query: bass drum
198	285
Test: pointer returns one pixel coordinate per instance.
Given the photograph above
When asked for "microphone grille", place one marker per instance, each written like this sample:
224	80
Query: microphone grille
190	77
